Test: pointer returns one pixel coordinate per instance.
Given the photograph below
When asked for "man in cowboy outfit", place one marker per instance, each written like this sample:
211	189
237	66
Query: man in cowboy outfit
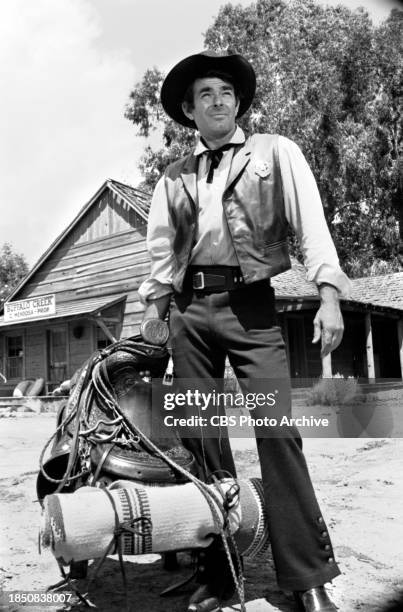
217	233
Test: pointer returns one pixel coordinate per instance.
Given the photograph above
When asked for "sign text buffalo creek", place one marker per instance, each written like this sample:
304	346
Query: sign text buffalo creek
31	308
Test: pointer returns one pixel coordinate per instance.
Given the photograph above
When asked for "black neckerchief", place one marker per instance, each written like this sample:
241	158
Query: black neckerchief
215	156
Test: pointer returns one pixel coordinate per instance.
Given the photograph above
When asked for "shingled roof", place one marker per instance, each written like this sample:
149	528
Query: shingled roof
385	290
293	283
139	200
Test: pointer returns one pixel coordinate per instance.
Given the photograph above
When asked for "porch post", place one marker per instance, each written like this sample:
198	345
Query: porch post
400	340
327	366
369	348
105	329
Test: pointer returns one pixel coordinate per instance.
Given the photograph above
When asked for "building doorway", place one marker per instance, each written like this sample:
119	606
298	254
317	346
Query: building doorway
296	346
14	357
57	354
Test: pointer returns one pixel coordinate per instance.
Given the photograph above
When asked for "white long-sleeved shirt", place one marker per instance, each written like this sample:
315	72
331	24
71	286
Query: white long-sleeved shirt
213	245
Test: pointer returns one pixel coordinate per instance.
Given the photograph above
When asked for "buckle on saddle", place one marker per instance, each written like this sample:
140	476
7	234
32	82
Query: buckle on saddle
168	377
198	280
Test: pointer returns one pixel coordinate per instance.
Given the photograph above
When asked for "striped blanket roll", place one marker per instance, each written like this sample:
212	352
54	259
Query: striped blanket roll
81	525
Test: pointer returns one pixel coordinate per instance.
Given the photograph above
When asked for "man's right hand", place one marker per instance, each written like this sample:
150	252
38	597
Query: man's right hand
153	328
157	309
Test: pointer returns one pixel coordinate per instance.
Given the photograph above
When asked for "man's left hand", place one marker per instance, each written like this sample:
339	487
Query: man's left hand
328	322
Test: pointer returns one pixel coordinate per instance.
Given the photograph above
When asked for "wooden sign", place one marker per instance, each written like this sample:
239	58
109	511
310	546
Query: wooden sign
31	308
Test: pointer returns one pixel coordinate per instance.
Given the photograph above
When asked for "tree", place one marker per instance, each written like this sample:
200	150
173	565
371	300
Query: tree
13	267
332	82
146	112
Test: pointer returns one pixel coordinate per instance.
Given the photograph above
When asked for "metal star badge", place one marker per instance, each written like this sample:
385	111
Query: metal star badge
262	169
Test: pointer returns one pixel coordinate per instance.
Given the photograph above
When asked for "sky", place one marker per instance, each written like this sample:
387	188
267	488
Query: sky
66	70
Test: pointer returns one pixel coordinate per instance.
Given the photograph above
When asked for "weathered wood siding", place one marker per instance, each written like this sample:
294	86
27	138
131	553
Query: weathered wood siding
35	352
104	255
35	343
79	348
108	216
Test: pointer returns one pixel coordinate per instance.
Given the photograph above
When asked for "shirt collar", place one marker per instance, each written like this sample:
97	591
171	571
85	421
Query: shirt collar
238	137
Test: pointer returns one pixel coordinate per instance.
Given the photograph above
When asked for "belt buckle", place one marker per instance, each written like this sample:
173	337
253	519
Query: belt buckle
196	283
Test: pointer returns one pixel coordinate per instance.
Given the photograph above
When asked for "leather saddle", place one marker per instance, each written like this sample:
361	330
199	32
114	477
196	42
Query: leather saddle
108	428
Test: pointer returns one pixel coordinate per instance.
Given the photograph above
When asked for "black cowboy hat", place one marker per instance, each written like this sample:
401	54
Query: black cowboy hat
196	66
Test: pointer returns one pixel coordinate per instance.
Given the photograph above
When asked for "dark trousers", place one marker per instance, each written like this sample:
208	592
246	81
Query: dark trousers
241	324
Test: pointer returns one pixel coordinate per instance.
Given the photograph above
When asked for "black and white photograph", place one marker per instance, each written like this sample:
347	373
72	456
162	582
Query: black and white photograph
201	305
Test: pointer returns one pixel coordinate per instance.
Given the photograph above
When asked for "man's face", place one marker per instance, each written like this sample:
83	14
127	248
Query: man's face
214	109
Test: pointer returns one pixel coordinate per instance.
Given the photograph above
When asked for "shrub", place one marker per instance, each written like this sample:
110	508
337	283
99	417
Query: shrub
333	391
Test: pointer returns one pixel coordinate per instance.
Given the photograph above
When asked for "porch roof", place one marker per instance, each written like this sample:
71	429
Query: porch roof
71	310
383	292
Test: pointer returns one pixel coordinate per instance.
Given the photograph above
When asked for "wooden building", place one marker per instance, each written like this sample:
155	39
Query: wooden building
82	295
372	346
89	276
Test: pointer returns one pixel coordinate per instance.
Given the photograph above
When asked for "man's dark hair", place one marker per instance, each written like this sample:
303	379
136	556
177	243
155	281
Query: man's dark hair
224	76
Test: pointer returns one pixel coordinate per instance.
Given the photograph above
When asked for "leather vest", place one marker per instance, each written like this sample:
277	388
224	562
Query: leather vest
253	205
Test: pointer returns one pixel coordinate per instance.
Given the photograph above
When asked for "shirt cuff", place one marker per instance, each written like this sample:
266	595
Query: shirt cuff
334	276
151	289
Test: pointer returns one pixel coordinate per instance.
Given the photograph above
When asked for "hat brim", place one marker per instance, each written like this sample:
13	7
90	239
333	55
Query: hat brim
195	66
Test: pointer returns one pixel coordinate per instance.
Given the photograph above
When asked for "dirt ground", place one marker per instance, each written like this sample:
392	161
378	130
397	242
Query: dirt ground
358	482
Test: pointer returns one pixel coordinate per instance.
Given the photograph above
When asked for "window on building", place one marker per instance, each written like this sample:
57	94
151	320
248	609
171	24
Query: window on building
57	354
14	356
102	339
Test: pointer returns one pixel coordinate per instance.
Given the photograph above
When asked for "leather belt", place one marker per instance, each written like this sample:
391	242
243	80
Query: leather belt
214	278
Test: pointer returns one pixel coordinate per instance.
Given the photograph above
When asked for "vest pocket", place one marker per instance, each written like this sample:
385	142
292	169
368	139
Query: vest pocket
268	246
